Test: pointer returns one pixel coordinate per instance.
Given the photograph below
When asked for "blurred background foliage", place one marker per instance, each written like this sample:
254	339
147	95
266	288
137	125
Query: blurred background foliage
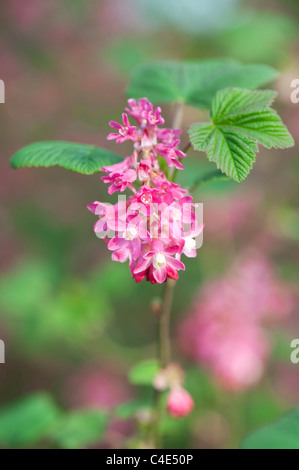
73	322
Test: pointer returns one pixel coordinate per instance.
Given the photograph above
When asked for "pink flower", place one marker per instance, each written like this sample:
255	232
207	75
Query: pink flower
168	188
144	114
171	154
127	244
157	263
28	15
233	349
189	248
179	402
176	215
225	332
144	170
146	197
110	217
149	227
168	136
119	167
125	249
147	142
125	131
281	302
105	212
119	181
241	360
92	388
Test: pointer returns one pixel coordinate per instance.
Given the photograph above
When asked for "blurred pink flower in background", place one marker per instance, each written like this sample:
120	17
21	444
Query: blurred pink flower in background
225	332
96	388
118	17
231	215
92	388
268	298
27	14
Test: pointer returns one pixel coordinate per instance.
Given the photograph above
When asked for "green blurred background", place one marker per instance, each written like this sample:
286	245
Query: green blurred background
73	322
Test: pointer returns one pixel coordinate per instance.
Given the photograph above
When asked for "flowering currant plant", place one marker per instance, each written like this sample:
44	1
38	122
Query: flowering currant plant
156	225
149	226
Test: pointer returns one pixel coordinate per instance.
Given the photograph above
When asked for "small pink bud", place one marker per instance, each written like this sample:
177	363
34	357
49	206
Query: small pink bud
179	402
156	306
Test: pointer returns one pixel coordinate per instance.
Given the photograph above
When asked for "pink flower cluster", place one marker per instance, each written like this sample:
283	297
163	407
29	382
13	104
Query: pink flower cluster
148	227
225	331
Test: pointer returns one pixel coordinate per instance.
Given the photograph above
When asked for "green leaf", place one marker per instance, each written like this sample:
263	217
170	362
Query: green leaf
16	292
264	36
195	83
27	421
240	120
233	154
209	178
261	407
48	313
144	372
80	429
129	409
85	159
237	101
247	112
282	434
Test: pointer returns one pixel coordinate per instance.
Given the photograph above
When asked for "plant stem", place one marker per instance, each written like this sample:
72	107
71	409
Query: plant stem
164	344
164	324
164	352
177	116
187	146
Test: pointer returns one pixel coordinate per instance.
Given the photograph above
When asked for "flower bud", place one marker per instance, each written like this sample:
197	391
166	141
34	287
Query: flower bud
179	402
156	306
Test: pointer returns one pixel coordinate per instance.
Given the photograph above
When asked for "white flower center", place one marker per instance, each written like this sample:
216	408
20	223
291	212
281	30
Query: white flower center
146	198
131	233
190	244
176	214
159	260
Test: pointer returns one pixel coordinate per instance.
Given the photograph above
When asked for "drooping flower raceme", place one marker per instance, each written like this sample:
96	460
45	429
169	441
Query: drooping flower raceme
157	222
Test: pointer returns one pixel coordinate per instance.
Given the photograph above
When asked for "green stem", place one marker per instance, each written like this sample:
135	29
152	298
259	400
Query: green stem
164	324
164	353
